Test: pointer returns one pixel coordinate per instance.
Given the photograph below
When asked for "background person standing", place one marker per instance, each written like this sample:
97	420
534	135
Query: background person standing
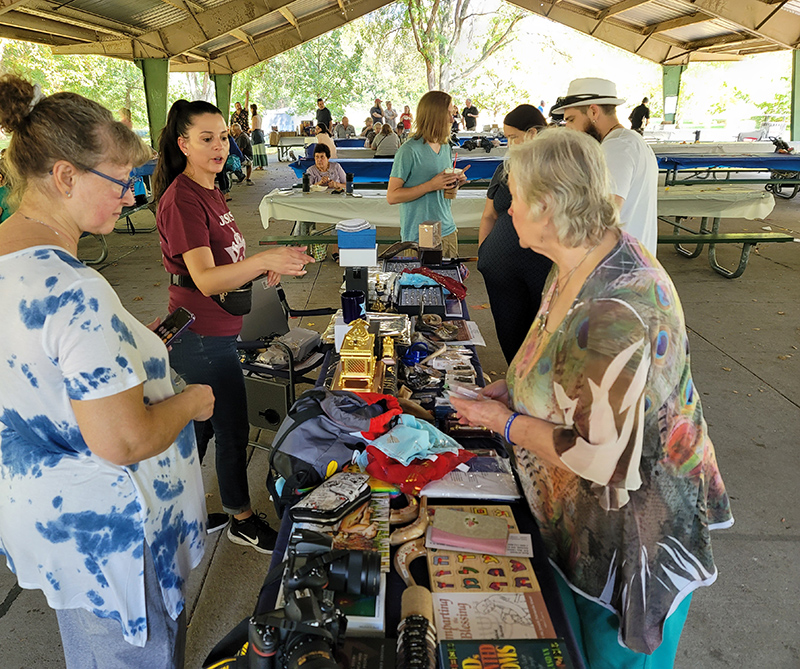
470	115
591	107
640	116
376	112
390	115
419	177
323	114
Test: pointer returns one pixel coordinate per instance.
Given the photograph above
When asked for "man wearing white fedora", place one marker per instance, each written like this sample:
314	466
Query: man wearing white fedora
591	107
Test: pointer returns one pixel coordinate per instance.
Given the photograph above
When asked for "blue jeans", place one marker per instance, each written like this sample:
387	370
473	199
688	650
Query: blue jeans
214	362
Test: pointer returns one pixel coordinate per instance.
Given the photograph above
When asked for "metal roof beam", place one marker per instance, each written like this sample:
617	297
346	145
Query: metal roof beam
723	41
656	48
47	26
186	34
71	20
32	36
8	5
618	8
782	28
277	41
679	22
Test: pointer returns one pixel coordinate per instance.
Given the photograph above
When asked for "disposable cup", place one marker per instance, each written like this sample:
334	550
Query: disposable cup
450	193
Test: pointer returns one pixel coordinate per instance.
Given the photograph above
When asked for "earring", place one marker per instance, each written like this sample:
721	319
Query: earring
68	194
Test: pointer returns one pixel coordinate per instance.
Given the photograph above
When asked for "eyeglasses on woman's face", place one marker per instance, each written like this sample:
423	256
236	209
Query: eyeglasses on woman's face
125	185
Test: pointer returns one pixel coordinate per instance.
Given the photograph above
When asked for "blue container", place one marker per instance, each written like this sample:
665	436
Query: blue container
363	239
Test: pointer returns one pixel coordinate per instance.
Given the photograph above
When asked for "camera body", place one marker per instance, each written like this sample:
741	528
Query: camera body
309	627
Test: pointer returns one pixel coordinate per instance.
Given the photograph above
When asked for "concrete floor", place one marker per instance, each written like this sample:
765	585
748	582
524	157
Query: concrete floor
745	339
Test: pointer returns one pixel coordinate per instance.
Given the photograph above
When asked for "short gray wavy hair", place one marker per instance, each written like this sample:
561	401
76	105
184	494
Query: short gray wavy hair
565	169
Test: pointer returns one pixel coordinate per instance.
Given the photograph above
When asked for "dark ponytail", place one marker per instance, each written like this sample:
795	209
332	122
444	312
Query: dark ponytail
525	117
171	160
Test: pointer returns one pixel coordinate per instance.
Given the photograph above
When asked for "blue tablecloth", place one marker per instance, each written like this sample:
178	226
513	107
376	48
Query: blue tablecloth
350	143
377	170
145	170
765	162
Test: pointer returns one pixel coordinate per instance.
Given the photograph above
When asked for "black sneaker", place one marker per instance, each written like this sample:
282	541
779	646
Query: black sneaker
216	522
253	531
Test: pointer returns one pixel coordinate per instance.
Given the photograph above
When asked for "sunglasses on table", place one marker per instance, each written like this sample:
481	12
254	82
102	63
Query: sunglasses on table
125	185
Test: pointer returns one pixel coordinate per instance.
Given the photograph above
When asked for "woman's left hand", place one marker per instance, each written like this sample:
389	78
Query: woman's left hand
152	326
483	413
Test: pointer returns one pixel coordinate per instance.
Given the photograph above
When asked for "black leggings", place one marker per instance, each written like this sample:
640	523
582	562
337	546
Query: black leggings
515	278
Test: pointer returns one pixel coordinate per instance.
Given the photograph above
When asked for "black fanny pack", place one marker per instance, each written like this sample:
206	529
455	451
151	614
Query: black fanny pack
236	302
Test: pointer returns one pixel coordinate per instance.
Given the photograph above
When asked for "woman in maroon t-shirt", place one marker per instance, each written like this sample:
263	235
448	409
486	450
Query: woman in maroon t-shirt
204	252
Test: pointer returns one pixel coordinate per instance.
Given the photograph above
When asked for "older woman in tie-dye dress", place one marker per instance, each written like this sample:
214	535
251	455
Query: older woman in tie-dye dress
101	498
603	416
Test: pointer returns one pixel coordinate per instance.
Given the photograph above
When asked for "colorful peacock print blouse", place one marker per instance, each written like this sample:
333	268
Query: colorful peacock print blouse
627	522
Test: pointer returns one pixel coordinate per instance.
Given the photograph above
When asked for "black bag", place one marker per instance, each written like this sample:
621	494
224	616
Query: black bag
236	302
318	431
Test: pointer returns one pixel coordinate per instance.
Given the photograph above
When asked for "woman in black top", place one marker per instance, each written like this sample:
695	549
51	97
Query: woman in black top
514	276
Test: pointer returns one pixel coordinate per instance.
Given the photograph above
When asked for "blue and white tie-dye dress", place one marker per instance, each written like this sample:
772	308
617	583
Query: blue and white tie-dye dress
71	523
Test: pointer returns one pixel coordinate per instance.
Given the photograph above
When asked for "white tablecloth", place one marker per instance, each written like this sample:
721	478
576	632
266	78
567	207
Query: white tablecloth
372	206
720	201
725	201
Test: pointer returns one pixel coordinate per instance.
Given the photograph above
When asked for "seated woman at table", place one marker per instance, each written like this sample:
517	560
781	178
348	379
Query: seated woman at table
324	137
386	143
514	276
367	127
605	422
419	177
323	171
372	133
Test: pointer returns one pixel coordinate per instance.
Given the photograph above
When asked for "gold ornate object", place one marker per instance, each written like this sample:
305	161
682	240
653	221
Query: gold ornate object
357	357
388	351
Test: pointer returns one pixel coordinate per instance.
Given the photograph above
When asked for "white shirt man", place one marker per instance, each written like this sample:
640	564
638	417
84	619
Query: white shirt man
590	107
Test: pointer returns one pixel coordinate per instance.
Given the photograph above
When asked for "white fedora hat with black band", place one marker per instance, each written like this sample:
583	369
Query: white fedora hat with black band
588	91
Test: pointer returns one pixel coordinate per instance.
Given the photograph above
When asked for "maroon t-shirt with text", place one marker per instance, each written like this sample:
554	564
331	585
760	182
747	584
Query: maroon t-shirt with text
190	217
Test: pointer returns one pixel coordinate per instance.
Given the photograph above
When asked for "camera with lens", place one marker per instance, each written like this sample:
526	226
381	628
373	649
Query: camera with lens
309	627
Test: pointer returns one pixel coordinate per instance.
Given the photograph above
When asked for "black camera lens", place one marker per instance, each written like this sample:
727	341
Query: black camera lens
357	573
310	652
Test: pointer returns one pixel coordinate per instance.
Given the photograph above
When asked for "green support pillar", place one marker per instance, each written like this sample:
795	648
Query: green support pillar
222	90
671	87
156	84
795	122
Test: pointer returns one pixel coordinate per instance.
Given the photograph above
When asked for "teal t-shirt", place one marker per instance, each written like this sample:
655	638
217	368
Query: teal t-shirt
415	163
6	211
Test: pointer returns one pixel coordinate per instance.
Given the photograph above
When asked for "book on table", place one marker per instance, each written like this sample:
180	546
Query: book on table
483	596
499	653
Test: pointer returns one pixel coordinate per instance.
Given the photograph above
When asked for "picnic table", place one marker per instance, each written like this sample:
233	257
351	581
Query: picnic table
775	171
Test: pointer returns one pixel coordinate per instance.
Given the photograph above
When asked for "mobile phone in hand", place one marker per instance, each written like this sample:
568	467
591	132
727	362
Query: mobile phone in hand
174	324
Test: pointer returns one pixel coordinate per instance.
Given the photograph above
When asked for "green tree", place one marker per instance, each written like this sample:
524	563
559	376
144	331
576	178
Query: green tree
328	67
446	33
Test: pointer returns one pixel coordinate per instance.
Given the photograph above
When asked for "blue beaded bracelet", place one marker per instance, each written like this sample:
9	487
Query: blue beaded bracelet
507	432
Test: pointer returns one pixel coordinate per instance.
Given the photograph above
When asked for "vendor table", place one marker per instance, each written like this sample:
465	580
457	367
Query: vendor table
714	148
394	584
370	170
